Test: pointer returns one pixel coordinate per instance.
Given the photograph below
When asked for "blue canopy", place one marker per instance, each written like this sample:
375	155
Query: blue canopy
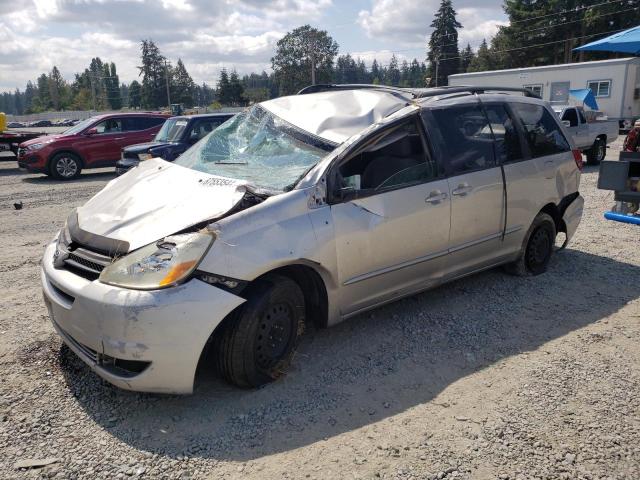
585	95
627	41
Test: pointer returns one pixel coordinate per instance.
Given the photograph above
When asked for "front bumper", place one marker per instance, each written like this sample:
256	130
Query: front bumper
125	164
32	161
166	328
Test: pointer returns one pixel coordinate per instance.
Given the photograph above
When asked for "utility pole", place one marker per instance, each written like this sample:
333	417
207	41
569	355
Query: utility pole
166	77
437	67
313	58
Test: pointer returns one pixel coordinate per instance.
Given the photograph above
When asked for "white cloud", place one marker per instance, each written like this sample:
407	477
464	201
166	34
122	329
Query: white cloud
206	34
407	22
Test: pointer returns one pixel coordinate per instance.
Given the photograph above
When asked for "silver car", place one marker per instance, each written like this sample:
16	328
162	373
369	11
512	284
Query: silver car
305	209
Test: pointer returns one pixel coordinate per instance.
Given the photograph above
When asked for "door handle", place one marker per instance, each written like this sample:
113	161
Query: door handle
462	189
119	138
435	197
549	163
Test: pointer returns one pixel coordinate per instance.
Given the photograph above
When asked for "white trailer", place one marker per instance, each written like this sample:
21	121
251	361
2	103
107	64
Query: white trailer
615	84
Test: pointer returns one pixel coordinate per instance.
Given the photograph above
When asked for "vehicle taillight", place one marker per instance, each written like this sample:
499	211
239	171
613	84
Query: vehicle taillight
577	156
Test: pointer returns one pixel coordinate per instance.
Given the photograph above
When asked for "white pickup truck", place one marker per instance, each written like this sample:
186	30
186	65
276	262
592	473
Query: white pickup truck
591	137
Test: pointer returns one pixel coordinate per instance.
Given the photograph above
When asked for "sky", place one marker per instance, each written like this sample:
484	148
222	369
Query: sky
208	35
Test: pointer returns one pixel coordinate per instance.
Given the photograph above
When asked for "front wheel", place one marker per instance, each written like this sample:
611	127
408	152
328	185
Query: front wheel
65	166
258	341
597	153
537	249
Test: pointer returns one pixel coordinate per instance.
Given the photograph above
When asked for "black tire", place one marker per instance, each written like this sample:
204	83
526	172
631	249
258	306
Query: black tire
65	166
257	341
537	248
597	153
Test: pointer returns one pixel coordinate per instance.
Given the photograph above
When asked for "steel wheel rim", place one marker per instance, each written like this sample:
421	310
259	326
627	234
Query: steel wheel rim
66	167
539	248
274	335
601	152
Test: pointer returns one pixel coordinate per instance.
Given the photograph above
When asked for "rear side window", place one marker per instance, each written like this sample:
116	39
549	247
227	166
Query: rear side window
571	116
508	147
467	138
204	127
132	124
541	130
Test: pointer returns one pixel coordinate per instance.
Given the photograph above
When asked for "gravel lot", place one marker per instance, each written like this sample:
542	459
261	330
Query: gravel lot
489	377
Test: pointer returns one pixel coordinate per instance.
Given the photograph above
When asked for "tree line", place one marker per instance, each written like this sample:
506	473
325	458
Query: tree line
538	33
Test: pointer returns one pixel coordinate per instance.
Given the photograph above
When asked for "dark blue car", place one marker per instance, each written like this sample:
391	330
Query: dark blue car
174	138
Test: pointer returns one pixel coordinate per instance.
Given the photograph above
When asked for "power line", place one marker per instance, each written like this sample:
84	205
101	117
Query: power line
566	11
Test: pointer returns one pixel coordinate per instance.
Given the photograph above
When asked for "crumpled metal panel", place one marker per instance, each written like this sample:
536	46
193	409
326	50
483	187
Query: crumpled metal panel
337	115
149	202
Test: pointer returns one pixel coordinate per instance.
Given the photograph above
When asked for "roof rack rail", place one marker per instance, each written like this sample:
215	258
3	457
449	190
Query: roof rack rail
415	92
435	91
325	87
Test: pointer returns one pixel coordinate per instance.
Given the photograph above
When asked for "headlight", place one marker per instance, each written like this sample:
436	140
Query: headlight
62	246
164	263
35	146
144	156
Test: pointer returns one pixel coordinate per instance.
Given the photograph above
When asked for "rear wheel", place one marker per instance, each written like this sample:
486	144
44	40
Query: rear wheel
65	166
537	249
597	153
258	341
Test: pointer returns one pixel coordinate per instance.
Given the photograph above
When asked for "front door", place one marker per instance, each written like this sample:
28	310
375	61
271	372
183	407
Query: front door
102	147
392	227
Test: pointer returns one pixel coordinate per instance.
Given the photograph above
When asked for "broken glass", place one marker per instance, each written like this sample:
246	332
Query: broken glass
258	147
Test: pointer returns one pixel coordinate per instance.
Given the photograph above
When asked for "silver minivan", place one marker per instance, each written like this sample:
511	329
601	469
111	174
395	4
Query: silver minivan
309	208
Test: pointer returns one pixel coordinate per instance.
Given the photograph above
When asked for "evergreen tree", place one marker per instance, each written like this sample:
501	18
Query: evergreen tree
43	101
375	72
392	73
443	51
30	93
183	85
483	60
112	86
236	90
135	95
124	94
224	88
17	103
153	72
466	57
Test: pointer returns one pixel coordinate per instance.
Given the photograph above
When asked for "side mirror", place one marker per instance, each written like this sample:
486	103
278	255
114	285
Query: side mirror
91	131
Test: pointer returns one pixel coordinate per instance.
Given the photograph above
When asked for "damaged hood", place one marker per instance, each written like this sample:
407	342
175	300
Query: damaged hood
152	201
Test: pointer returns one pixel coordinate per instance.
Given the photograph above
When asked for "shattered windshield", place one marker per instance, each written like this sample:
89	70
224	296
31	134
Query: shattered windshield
258	147
171	130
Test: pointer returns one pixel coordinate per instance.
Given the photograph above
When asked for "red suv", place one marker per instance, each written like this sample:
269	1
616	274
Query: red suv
92	143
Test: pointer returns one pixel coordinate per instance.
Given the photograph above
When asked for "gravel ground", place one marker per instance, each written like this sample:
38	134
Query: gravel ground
490	377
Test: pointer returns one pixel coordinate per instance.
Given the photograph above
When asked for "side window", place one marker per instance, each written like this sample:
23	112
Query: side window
132	124
202	128
112	125
396	158
150	122
541	130
570	115
581	117
467	138
508	147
